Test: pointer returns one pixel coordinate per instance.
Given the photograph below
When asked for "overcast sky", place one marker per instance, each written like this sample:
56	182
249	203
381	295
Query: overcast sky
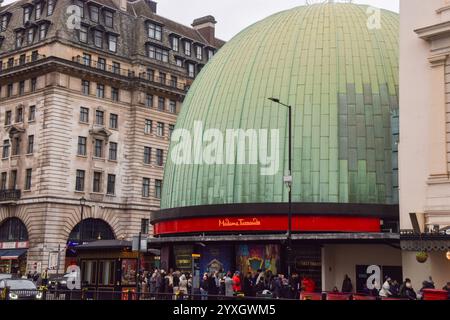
234	15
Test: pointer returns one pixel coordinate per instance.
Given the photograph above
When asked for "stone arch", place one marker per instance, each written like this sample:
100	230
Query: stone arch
13	212
13	229
91	229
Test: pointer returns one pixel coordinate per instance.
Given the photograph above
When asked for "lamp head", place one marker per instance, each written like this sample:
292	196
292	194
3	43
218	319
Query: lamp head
82	201
275	100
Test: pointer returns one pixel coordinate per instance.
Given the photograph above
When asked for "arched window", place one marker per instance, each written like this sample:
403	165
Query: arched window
13	229
93	229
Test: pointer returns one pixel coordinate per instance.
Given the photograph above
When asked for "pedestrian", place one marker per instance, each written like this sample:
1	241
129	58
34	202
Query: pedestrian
152	284
294	283
275	286
395	289
385	291
228	282
260	280
183	286
204	287
237	288
407	291
35	277
247	285
176	284
347	286
44	277
308	285
29	275
213	288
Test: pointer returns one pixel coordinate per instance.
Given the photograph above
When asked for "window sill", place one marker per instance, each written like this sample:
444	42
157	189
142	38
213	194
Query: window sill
82	156
29	154
31	121
113	161
82	122
98	159
80	192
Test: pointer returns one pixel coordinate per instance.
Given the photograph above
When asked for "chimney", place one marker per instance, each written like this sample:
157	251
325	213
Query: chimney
152	5
121	4
206	27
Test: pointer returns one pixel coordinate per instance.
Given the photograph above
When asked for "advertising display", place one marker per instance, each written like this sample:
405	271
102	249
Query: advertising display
216	258
251	258
129	267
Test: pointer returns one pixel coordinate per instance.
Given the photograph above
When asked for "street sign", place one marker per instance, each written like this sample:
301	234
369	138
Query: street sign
135	244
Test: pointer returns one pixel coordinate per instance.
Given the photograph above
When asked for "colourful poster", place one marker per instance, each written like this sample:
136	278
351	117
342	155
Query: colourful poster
251	258
216	258
129	272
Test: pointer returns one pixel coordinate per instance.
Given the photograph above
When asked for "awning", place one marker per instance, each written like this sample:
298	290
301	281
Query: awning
12	254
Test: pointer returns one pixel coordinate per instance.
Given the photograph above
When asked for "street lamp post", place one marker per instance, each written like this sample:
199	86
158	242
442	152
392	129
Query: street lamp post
288	178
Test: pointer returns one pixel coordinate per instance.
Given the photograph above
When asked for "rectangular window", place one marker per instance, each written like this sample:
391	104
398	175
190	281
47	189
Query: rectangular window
210	54
4	22
101	63
30	146
144	226
175	44
160	129
147	155
116	67
145	187
158	187
99	117
82	146
148	126
79	183
84	115
100	91
115	94
16	146
43	31
113	151
85	87
98	39
171	128
8	117
50	7
30	36
98	148
179	62
21	87
191	70
26	14
19	39
187	48
10	62
28	179
32	114
173	81
93	12
159	157
109	18
162	78
9	91
154	31
13	180
87	59
80	4
97	182
33	84
158	54
34	55
22	59
38	10
111	186
173	106
19	114
150	74
6	147
161	103
112	43
3	181
149	100
83	34
199	53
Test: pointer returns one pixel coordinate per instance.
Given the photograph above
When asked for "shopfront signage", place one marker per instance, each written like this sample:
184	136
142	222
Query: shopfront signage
269	223
14	245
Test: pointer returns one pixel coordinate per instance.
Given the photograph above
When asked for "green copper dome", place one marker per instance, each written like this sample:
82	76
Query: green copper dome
338	68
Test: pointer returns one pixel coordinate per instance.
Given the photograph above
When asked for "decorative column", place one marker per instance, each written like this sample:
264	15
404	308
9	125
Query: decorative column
437	125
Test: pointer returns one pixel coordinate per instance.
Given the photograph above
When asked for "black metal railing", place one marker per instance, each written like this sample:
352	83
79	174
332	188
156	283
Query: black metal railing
10	195
21	61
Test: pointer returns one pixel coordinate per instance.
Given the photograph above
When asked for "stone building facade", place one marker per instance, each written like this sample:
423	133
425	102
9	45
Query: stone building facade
424	159
90	92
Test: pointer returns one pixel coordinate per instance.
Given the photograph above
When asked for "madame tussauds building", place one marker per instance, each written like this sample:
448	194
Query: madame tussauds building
227	180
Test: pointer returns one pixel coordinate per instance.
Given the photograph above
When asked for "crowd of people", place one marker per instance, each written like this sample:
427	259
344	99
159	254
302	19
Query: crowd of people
160	284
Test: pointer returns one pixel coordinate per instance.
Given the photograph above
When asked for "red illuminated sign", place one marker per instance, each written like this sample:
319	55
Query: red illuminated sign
269	224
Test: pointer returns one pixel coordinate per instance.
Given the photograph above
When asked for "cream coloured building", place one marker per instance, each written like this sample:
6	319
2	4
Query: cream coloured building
90	92
424	150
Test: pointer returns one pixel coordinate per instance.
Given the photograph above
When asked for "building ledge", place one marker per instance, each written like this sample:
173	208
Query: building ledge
440	30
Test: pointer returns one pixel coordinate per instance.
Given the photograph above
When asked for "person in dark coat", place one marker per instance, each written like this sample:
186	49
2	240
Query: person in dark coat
447	288
294	283
248	285
347	286
407	291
